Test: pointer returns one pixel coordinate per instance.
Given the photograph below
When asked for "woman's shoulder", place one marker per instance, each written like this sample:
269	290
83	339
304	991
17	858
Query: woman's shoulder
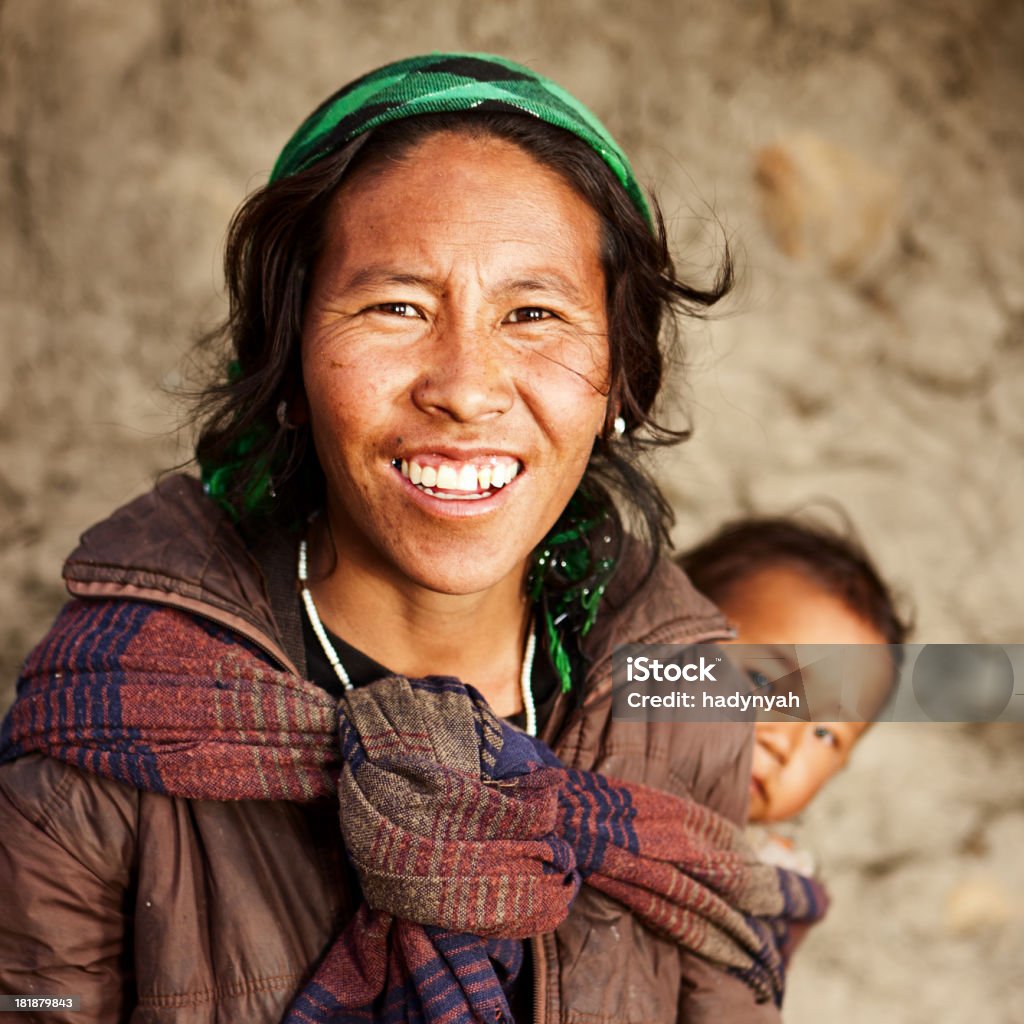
652	601
172	540
707	761
175	547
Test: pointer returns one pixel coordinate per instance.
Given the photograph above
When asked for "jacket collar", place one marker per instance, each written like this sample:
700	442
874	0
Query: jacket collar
176	547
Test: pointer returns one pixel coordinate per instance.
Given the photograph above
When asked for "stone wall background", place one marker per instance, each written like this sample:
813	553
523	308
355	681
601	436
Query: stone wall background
883	369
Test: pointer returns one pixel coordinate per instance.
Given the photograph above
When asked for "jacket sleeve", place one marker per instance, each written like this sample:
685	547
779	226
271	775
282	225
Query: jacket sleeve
66	854
721	780
711	996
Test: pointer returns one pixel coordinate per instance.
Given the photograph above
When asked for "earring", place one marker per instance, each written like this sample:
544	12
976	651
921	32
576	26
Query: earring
618	428
282	416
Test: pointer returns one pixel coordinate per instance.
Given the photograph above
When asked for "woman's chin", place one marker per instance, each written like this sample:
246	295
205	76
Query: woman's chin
446	563
461	575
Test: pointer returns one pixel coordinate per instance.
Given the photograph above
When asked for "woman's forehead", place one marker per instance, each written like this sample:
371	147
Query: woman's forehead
449	161
455	198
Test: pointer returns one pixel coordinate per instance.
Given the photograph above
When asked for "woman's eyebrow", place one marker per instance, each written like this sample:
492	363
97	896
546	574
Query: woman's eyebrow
369	277
540	282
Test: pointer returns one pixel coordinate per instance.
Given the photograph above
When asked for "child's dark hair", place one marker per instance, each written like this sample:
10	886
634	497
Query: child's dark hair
836	562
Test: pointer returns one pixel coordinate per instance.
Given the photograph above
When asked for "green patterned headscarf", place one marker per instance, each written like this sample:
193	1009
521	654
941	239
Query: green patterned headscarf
444	83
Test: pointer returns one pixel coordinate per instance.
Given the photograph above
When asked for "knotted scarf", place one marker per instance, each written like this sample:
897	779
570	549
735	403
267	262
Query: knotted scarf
466	834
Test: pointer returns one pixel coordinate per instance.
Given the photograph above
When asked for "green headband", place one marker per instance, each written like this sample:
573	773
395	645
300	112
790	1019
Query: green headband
442	83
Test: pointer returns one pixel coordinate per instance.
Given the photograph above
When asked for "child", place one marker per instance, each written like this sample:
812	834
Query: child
780	581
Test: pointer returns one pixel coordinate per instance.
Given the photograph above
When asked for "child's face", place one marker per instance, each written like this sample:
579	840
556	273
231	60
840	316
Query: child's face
793	760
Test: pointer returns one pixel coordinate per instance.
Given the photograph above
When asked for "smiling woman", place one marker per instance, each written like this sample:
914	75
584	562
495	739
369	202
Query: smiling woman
392	605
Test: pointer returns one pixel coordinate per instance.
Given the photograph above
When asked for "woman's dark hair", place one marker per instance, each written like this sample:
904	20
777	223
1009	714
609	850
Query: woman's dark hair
838	563
272	249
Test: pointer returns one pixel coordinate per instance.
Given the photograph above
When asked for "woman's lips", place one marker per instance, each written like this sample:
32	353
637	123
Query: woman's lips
454	503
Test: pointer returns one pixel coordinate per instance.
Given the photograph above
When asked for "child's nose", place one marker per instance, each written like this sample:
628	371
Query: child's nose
779	738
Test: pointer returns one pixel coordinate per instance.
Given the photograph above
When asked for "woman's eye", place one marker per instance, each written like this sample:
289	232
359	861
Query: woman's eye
528	314
826	735
406	309
759	679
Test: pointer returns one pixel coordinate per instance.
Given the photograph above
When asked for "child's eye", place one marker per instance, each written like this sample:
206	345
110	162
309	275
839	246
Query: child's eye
404	309
826	735
759	679
528	314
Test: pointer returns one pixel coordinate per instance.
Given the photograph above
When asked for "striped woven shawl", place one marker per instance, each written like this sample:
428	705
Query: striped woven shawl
467	835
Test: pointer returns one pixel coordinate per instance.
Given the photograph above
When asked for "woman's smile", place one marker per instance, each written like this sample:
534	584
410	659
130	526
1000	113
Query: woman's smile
461	477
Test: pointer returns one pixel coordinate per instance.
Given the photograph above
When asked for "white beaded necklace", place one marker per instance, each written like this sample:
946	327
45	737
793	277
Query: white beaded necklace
525	672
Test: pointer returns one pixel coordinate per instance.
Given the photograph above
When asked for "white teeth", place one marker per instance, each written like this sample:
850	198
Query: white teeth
447	477
467	478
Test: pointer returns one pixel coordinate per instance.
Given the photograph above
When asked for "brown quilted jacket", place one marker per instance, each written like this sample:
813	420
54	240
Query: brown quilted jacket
156	909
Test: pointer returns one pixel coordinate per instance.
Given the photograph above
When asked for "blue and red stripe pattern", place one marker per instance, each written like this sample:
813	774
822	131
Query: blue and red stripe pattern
467	835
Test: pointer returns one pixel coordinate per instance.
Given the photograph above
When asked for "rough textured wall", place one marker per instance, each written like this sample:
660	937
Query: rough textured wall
875	355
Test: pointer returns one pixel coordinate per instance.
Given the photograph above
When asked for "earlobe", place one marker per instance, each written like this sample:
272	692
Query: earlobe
614	428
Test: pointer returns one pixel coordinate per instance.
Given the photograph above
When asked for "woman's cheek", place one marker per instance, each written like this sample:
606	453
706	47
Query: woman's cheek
565	394
581	355
358	377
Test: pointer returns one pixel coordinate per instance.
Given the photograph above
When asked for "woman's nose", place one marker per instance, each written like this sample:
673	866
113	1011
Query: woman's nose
466	376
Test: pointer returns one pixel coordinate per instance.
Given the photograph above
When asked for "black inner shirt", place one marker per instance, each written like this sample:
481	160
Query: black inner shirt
362	669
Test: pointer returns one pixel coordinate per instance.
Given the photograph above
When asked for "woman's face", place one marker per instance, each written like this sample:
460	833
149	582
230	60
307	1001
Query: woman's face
455	361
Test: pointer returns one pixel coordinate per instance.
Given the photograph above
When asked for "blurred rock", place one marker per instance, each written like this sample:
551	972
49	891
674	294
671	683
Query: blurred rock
978	904
825	204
